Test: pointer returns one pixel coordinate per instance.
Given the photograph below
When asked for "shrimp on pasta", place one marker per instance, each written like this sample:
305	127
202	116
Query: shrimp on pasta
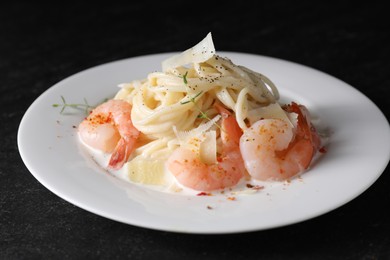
204	121
225	172
109	128
274	150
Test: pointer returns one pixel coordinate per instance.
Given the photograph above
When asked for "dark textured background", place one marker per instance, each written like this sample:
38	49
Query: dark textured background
43	44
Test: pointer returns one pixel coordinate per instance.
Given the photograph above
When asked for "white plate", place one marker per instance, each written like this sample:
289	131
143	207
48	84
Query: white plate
358	153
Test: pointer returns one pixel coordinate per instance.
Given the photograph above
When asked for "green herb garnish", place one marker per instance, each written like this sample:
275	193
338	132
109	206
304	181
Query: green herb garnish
192	99
184	77
86	107
202	114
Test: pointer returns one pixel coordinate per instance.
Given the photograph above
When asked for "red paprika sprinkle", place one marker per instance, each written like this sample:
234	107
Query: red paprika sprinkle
322	150
203	194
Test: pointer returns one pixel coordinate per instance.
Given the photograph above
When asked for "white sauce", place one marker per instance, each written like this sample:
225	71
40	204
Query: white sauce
172	186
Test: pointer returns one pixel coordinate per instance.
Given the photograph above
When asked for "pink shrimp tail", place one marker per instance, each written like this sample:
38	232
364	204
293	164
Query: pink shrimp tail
307	142
306	130
121	153
230	126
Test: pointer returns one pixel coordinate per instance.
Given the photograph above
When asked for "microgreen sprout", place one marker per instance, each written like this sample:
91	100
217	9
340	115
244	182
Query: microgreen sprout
184	77
192	99
202	114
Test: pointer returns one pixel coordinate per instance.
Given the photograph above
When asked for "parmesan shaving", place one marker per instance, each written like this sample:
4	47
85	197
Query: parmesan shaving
273	111
201	52
208	148
146	171
185	136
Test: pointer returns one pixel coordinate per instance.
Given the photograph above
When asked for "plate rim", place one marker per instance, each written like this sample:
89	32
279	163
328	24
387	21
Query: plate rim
180	230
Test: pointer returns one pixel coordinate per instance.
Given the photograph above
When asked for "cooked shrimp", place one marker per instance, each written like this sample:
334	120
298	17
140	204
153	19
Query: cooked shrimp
191	172
109	128
273	150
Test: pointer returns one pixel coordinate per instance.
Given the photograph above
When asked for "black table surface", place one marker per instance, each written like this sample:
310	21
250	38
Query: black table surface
43	44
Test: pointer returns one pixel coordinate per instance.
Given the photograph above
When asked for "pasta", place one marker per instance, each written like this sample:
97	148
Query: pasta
207	122
162	101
